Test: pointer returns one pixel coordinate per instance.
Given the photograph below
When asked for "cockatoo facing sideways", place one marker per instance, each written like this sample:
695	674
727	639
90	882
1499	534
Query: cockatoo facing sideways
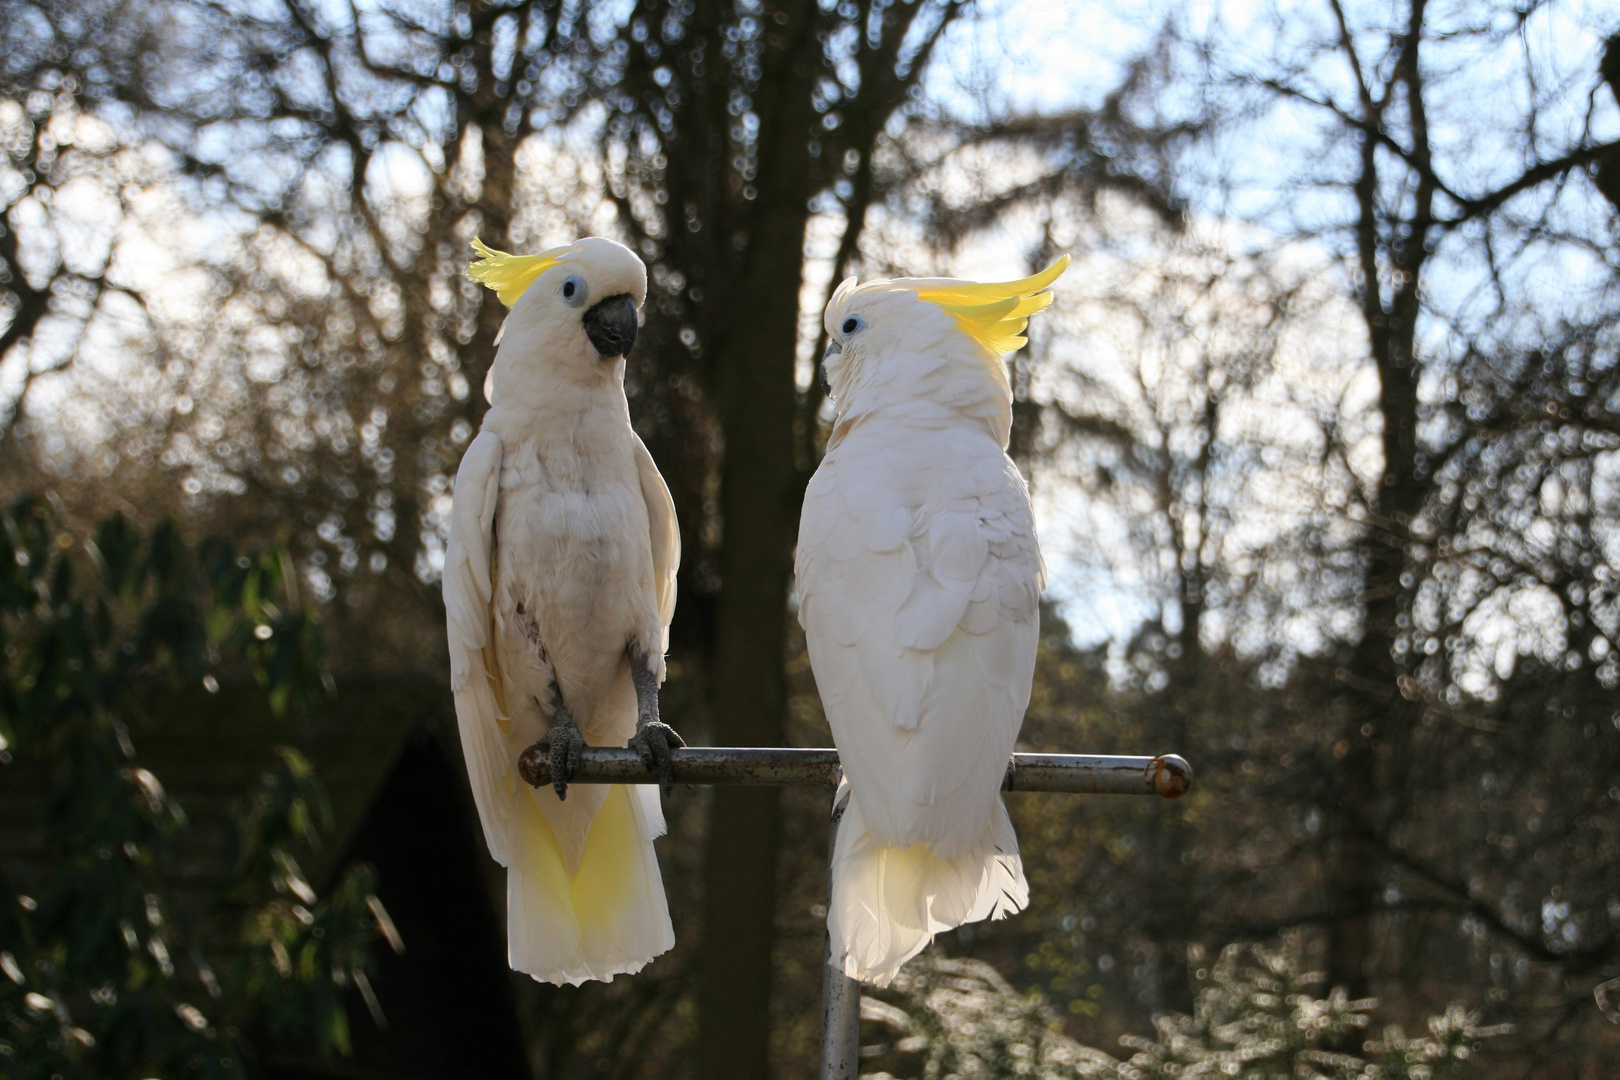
919	584
559	586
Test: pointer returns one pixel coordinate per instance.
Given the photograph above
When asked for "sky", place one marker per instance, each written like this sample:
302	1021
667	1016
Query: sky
1049	55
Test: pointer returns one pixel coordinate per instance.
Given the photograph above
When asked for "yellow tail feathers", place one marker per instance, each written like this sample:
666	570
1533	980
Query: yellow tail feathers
889	902
605	918
604	882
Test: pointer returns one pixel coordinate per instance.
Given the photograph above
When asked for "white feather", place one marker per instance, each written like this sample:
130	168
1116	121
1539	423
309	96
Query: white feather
666	533
888	902
466	586
562	560
919	580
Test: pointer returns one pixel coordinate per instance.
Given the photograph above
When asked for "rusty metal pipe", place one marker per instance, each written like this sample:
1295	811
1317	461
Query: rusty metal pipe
745	766
1167	776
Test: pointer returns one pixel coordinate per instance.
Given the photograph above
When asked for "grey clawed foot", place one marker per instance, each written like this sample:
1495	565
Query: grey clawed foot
562	744
653	739
653	742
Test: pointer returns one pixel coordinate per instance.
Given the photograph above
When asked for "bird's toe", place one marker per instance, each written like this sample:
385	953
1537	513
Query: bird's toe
564	743
653	743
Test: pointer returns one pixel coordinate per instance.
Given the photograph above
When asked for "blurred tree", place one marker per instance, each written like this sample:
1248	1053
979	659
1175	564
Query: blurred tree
1422	561
1606	174
1197	433
1419	200
111	967
1430	781
345	157
1256	1017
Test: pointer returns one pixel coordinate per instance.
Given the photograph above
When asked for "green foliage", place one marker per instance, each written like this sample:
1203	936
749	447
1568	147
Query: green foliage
1064	973
298	951
106	959
1255	1018
959	1018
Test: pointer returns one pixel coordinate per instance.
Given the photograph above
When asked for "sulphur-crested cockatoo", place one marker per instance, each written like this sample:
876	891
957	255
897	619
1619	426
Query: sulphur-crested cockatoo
559	585
919	583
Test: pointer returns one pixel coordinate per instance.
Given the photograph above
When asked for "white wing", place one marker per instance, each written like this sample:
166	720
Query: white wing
468	561
922	622
666	533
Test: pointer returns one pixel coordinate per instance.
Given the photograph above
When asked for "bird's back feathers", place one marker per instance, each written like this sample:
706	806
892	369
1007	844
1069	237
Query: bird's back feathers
919	587
919	583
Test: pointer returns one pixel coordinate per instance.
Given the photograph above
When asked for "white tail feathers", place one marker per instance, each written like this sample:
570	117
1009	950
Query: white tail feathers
607	918
888	903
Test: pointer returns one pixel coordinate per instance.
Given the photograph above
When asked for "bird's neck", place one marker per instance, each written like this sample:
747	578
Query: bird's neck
543	402
959	385
922	415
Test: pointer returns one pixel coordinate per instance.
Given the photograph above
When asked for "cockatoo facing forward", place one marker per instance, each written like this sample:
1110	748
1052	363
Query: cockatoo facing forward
559	586
919	583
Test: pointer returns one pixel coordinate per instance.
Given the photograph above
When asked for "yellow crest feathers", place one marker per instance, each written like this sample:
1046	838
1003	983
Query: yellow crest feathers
510	275
995	314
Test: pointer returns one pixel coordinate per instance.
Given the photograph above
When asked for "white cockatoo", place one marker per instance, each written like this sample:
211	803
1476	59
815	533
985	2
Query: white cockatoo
919	582
559	586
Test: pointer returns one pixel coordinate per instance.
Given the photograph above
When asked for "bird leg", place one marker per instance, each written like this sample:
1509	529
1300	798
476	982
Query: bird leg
653	739
562	743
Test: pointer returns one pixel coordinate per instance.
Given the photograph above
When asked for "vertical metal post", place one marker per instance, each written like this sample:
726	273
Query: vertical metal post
840	994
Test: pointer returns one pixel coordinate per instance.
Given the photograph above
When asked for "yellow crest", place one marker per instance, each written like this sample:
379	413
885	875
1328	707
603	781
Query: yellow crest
510	275
996	314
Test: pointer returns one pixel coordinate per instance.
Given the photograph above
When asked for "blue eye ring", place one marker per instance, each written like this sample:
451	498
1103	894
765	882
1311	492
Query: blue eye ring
852	325
573	290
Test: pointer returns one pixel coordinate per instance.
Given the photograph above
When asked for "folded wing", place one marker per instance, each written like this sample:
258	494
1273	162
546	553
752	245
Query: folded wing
922	624
666	533
468	560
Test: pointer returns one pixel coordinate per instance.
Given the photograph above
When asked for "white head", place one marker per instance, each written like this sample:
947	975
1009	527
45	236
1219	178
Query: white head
573	309
923	344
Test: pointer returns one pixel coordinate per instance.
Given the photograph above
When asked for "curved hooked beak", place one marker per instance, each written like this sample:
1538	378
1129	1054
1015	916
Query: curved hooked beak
833	349
611	325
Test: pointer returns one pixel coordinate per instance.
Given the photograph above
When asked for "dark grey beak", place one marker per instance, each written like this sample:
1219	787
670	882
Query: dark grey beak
833	349
611	325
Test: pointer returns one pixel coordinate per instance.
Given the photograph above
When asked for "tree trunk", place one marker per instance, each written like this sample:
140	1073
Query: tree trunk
748	687
759	505
1382	722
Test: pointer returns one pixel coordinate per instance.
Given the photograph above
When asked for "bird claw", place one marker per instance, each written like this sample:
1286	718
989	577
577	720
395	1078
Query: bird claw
561	746
653	742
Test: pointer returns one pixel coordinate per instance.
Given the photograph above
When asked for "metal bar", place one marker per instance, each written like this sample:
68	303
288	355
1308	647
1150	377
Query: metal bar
840	994
752	766
1167	776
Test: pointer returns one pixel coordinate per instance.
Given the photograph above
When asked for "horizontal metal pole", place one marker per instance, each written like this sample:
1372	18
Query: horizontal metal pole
732	765
1168	776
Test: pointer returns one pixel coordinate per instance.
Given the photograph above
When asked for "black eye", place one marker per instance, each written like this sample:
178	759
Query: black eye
852	324
568	289
573	290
